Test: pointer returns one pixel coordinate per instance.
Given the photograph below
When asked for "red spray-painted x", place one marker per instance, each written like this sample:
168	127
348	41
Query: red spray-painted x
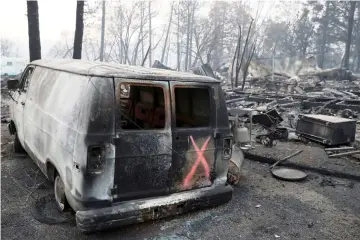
200	158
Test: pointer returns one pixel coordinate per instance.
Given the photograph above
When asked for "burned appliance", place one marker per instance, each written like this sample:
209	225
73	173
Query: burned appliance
279	133
328	130
270	121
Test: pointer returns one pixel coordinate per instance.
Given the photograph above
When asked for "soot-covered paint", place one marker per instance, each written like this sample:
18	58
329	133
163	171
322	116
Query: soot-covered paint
200	159
151	173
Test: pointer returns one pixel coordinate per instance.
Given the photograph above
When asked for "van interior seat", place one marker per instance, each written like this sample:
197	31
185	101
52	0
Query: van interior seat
144	112
159	117
150	116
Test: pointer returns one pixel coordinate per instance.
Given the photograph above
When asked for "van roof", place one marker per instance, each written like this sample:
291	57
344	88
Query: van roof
103	69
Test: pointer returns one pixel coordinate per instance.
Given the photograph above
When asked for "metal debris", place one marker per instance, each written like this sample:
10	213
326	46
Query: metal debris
344	154
287	173
328	130
338	149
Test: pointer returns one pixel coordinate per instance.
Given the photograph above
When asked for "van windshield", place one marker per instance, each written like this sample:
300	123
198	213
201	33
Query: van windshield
192	107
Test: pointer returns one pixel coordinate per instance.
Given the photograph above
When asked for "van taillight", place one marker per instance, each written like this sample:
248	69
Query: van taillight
227	148
95	160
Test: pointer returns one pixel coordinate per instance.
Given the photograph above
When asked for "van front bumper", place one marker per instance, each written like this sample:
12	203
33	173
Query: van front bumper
141	210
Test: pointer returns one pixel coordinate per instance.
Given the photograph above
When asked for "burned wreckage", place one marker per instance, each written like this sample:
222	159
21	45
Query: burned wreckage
321	106
123	144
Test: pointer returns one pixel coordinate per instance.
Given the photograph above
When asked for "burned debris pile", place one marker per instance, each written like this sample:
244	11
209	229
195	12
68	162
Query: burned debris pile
321	121
306	104
277	112
321	107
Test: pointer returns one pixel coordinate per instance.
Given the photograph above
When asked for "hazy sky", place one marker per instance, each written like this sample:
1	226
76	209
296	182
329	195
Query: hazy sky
56	17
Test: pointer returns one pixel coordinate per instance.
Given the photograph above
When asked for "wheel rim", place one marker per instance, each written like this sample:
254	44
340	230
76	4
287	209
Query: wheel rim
59	193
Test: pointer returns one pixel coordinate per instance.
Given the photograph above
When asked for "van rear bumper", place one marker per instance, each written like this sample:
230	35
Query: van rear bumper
142	210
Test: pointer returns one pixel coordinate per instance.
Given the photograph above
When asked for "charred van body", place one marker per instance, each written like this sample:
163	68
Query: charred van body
123	144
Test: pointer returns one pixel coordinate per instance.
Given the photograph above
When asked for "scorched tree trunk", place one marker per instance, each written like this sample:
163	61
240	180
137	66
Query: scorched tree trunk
349	34
79	30
33	30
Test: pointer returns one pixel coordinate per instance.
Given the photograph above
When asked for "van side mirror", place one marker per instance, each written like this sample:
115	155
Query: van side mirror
12	84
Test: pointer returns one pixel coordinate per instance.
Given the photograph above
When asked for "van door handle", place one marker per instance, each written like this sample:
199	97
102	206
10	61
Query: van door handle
217	134
23	103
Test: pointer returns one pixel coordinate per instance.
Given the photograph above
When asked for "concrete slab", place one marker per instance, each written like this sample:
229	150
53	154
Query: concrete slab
312	158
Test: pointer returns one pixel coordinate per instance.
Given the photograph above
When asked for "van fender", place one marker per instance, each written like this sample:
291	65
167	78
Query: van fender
50	170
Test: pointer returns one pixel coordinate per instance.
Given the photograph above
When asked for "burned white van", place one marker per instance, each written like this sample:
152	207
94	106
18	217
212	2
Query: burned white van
123	144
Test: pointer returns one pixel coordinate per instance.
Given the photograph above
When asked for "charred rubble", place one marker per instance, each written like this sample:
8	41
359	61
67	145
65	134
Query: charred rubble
321	106
271	106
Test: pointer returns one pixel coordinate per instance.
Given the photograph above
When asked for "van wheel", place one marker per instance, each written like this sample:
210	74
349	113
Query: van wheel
17	145
59	191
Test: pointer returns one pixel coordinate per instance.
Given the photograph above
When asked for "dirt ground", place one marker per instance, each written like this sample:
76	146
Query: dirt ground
262	208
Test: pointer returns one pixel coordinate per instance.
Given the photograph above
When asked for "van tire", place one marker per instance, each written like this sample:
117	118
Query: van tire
17	147
59	192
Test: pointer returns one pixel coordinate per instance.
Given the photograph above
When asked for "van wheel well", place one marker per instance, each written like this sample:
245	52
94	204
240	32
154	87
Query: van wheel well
12	128
50	171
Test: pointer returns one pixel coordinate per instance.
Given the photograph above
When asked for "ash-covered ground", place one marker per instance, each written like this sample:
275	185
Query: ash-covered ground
262	208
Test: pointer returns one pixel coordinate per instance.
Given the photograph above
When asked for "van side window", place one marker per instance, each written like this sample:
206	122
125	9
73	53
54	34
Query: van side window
192	107
142	107
25	81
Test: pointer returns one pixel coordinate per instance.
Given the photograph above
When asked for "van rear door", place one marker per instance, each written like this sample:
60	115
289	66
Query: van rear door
143	139
193	125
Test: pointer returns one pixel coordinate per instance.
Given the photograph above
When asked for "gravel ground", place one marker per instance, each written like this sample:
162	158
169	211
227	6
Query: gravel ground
262	208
